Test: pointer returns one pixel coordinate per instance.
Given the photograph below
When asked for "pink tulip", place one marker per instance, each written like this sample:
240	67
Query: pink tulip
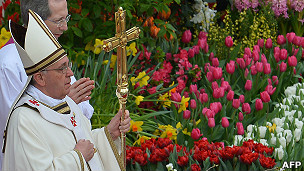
302	42
246	72
216	107
186	114
265	96
236	103
283	54
230	95
209	76
211	122
283	67
253	70
218	92
225	85
193	104
246	108
204	97
241	62
257	48
297	41
211	56
263	59
230	67
267	68
193	88
258	104
270	90
292	61
281	40
242	98
241	116
215	62
259	66
228	41
191	53
268	44
187	36
275	79
217	73
290	36
210	113
202	43
203	35
225	122
256	55
204	111
196	134
214	85
176	97
240	128
247	51
248	85
261	43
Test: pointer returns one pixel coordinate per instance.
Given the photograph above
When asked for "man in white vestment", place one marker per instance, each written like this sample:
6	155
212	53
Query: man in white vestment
12	74
46	129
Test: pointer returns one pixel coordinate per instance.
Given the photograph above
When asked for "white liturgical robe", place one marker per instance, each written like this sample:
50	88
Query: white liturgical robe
39	138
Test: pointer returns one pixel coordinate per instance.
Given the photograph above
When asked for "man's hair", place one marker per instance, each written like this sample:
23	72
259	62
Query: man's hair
41	7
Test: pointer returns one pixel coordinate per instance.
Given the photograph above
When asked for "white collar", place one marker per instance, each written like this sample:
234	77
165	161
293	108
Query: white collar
38	95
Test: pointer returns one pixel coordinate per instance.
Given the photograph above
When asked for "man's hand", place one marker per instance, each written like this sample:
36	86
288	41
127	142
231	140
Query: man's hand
81	89
86	148
115	126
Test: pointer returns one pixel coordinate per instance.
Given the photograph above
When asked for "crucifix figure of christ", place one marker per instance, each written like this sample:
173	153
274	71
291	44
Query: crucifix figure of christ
122	37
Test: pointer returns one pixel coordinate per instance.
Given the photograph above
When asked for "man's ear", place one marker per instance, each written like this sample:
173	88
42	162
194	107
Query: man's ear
39	79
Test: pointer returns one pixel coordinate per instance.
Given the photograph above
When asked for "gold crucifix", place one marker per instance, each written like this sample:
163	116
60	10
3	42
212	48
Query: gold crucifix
122	37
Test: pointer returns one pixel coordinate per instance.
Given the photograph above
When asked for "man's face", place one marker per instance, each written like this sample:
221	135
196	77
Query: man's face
57	83
59	11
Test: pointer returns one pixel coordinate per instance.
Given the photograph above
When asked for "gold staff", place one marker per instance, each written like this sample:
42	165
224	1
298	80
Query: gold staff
122	37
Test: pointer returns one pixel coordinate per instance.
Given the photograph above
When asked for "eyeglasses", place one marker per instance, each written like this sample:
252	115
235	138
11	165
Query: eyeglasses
60	22
62	69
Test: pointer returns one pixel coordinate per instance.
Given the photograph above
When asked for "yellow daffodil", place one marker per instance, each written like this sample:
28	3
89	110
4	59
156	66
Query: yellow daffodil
4	37
165	100
131	49
89	47
139	99
142	78
141	140
184	131
272	128
166	131
98	46
184	104
105	62
113	61
136	126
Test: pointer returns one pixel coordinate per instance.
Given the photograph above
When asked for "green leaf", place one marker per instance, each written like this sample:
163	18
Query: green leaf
97	11
85	12
87	25
77	31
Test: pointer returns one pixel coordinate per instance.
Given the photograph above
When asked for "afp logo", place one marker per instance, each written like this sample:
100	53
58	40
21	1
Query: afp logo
291	164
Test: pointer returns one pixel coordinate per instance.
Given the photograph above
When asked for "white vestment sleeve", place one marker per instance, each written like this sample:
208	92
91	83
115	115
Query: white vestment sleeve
36	148
85	106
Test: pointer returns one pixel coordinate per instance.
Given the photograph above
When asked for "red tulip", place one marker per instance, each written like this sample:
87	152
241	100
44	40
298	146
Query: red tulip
217	73
246	108
261	43
258	104
283	54
281	40
236	103
297	41
191	53
211	122
277	56
225	122
240	128
196	134
209	76
230	95
268	44
193	104
210	113
241	116
248	85
230	67
203	97
186	114
202	43
228	41
203	35
214	85
267	68
283	67
292	61
265	96
187	36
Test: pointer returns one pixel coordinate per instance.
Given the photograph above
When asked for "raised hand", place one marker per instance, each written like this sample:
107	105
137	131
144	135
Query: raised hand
81	89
